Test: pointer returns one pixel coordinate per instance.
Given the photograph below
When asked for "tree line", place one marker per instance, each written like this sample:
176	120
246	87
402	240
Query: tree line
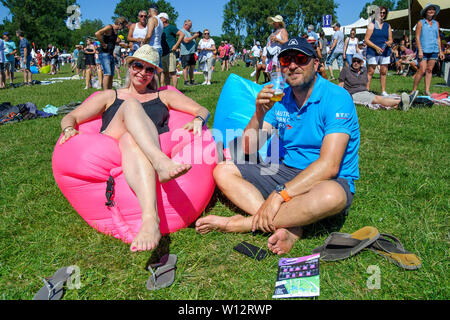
244	21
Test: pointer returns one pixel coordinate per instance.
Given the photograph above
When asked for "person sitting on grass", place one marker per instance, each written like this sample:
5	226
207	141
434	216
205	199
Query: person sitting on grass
354	80
135	116
318	131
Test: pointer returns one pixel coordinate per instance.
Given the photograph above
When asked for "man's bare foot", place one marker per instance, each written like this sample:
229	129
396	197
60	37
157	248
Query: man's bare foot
148	237
168	170
283	240
210	223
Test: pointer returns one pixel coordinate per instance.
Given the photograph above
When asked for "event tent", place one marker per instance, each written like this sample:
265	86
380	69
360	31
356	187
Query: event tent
360	26
399	19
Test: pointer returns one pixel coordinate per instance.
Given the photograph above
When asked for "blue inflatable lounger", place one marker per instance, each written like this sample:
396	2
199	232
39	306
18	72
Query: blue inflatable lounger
234	110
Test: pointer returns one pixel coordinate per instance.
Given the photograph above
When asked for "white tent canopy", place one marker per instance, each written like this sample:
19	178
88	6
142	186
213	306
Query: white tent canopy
360	26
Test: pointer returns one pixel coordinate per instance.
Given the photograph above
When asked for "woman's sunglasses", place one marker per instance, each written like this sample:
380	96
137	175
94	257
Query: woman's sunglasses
299	59
138	67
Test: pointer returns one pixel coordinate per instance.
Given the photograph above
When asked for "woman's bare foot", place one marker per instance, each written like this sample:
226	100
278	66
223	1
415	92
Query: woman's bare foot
210	223
148	237
283	240
168	170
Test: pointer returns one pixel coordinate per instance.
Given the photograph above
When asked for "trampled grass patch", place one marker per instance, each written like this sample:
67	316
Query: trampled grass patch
403	190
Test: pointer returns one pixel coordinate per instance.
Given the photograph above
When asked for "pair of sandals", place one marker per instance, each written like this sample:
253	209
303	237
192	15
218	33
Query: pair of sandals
340	246
162	276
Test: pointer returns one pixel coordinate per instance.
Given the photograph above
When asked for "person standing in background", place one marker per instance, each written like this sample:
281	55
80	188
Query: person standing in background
188	47
379	41
206	48
336	50
428	44
155	29
10	51
108	37
2	64
138	31
170	44
25	58
350	47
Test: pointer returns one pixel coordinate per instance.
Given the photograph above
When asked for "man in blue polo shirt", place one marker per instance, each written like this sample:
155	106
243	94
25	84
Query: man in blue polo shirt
319	138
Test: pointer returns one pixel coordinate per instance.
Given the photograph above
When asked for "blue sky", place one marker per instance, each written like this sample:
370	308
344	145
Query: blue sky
203	13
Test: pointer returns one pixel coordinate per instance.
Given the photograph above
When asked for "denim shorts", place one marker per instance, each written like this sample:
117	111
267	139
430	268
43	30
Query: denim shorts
331	57
429	56
107	62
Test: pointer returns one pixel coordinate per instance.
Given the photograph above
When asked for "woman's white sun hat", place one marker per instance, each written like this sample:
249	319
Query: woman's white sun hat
147	54
277	18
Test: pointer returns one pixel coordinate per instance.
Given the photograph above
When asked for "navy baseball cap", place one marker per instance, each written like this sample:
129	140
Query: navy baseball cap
6	33
299	44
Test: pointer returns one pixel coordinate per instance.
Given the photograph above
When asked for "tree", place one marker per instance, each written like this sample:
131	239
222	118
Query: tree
42	21
87	30
130	9
402	4
389	4
250	16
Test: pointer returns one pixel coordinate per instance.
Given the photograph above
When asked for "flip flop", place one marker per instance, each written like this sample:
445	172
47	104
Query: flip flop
340	246
53	288
164	275
392	249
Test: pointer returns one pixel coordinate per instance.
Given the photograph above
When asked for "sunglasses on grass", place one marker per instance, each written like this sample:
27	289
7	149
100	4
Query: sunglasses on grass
299	59
139	67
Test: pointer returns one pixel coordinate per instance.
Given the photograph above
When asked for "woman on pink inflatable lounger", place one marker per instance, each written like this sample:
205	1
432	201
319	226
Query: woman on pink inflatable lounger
135	116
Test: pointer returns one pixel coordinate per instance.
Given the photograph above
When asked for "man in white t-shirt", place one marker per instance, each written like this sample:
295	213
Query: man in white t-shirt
256	53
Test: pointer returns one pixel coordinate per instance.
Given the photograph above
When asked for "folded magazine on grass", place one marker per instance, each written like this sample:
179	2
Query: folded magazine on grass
298	277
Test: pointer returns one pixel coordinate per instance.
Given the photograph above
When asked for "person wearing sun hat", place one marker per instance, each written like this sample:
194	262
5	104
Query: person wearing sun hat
278	37
428	44
135	116
317	129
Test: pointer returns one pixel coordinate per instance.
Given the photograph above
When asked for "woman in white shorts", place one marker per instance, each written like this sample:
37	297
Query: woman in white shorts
379	40
206	48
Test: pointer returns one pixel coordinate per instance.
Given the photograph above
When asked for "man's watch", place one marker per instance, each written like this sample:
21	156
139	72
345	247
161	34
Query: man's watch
281	190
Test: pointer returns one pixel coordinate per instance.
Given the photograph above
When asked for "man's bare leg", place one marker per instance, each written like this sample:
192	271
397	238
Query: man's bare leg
325	199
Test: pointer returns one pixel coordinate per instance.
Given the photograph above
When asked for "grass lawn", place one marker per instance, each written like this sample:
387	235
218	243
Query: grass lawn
403	190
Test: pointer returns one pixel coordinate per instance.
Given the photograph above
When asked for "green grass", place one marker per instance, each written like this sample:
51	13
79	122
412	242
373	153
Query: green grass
403	190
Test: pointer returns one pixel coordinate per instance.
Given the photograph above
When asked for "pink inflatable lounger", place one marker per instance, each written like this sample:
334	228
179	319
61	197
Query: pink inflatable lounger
83	166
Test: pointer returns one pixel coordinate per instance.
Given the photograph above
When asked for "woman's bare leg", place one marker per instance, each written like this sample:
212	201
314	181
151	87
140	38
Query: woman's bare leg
370	72
131	118
383	76
141	177
429	75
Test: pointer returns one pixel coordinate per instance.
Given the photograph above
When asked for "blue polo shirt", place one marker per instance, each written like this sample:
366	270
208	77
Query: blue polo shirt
329	109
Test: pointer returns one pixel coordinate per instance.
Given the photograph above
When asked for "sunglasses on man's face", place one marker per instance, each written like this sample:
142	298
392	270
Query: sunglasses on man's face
356	61
138	67
142	16
299	59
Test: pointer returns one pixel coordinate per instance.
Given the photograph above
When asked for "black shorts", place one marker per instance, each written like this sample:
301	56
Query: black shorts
188	60
266	177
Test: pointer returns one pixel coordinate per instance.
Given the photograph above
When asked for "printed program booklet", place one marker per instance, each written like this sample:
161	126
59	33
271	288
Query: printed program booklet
298	277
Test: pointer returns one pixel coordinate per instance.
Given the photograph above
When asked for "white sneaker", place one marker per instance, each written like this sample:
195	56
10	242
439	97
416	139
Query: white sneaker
208	83
385	94
253	74
204	83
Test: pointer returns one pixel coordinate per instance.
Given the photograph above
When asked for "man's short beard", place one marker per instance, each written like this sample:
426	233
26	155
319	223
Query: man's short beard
307	83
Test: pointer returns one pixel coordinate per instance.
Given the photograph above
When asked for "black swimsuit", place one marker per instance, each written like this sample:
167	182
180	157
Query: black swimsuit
155	109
